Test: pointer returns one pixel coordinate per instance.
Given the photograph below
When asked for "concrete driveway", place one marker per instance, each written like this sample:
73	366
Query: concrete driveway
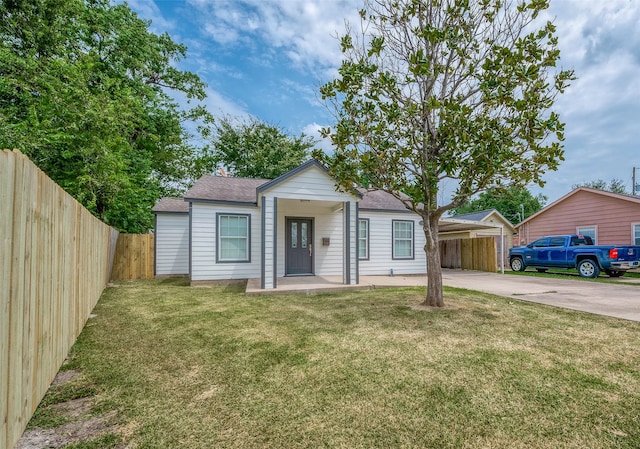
620	300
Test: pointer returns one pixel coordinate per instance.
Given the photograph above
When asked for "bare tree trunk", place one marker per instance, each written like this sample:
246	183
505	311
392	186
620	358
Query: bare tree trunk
434	268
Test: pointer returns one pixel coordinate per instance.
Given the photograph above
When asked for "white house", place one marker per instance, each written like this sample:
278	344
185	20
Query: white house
296	225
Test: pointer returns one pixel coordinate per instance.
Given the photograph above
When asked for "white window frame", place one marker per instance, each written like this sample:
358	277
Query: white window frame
394	239
595	231
219	237
363	242
635	234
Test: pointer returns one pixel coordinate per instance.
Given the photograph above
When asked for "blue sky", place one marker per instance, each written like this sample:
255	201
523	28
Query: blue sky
267	58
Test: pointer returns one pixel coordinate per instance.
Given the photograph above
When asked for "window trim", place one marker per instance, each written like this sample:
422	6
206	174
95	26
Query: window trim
366	238
635	227
219	215
393	240
595	228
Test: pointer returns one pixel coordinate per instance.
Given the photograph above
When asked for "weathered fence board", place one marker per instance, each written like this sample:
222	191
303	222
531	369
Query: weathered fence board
469	254
54	264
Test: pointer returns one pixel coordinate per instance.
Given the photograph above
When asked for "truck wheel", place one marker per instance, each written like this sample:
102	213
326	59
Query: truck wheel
541	270
517	264
588	268
614	273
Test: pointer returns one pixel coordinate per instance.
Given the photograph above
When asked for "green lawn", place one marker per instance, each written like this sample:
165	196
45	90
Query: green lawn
210	368
559	273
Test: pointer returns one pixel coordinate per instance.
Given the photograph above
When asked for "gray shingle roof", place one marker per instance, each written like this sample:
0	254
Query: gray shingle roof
243	190
474	216
171	205
220	188
380	200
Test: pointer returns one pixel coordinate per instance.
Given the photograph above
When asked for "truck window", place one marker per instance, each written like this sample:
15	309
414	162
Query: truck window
581	240
540	242
556	241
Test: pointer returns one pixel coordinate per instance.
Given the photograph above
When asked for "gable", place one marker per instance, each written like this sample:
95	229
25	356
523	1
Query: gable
310	181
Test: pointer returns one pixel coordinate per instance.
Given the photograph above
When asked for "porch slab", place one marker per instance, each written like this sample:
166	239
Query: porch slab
311	285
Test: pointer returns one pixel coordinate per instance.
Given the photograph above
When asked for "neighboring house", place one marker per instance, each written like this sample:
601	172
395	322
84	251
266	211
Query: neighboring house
609	218
503	232
297	224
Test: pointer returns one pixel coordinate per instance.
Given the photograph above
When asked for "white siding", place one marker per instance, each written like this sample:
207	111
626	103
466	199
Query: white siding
172	244
380	246
310	184
203	244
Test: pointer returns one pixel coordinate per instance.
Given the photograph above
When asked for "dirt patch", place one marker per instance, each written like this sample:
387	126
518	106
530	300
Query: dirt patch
81	424
420	306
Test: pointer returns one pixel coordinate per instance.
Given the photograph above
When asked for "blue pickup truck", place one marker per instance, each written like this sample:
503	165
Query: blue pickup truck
575	251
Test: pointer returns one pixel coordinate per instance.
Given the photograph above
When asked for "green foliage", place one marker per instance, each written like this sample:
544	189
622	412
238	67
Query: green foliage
510	202
457	92
83	93
615	185
254	149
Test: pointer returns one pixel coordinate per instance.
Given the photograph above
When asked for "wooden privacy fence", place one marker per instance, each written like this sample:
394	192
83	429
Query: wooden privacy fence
134	257
469	254
54	264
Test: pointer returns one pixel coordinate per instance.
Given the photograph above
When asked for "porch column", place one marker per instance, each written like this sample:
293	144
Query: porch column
268	231
350	271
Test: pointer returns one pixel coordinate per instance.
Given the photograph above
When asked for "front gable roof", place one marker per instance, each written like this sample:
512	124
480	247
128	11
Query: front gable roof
618	196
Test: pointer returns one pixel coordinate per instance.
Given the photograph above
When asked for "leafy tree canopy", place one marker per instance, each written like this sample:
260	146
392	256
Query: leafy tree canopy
254	149
511	202
84	92
453	90
615	185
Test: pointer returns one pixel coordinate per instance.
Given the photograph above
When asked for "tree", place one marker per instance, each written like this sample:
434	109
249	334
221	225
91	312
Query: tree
514	203
84	92
431	90
253	149
615	185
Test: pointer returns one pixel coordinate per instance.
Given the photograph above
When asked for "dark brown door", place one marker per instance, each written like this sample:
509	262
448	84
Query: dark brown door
299	256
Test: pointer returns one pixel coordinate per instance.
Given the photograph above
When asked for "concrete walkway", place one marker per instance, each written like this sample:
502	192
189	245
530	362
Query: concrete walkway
620	299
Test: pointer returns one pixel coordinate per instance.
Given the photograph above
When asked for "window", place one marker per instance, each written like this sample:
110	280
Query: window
588	230
402	239
636	234
556	241
233	238
540	243
363	239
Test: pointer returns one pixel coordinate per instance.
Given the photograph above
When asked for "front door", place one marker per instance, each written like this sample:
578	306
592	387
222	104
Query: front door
299	253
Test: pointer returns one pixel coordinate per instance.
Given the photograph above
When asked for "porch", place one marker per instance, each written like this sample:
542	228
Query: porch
311	285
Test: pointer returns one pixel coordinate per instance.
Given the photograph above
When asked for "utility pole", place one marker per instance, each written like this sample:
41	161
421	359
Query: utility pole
635	188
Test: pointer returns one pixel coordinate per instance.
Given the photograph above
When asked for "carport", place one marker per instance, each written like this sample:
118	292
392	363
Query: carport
453	248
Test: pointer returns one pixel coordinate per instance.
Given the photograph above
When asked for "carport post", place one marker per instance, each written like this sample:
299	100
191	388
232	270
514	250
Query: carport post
502	249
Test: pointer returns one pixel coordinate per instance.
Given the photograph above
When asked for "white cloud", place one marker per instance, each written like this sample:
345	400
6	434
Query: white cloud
323	143
289	38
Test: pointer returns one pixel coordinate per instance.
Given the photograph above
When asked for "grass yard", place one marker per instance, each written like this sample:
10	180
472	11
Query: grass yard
183	367
572	273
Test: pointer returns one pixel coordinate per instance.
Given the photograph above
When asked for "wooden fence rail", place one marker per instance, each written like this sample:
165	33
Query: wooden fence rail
134	257
54	264
469	254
